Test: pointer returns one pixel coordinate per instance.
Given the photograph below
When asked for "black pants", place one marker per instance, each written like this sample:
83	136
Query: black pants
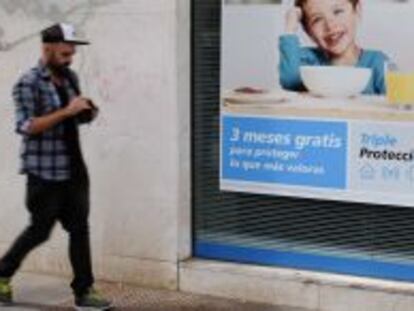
48	202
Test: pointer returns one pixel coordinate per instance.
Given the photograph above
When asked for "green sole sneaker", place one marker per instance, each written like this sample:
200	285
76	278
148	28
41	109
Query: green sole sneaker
92	300
6	291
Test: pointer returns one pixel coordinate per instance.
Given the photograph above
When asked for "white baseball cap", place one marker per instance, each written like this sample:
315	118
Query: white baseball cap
62	32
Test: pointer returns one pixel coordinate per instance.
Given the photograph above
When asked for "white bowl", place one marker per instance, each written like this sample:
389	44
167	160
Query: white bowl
337	81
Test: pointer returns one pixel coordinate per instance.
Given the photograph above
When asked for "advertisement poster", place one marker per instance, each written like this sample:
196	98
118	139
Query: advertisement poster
318	100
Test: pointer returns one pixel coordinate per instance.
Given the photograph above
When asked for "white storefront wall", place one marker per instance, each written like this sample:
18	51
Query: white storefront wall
136	69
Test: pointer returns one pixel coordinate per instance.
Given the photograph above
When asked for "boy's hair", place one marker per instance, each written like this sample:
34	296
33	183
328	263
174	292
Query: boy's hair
301	3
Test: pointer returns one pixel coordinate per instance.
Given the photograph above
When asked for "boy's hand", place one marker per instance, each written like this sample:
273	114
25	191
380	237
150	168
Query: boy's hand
293	17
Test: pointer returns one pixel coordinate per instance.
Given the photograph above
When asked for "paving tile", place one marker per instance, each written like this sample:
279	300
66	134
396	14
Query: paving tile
48	293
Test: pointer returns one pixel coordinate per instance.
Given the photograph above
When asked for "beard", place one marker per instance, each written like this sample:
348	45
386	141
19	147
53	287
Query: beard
59	69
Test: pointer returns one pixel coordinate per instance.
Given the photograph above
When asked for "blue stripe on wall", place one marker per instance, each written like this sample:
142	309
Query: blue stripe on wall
305	261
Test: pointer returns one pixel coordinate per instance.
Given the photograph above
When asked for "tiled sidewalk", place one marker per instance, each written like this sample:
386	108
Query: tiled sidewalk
39	292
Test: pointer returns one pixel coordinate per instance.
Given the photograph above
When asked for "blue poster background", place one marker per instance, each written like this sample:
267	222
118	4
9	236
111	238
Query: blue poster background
284	151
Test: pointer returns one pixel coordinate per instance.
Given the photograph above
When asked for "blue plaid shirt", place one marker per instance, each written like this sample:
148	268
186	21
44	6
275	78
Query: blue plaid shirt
46	154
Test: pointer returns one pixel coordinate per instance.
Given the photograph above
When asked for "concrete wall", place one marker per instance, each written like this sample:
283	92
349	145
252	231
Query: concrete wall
137	70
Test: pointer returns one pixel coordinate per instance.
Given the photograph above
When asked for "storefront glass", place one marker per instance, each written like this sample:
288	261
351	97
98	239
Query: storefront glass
340	232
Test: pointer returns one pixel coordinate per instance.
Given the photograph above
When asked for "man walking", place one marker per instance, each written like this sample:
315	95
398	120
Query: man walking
49	108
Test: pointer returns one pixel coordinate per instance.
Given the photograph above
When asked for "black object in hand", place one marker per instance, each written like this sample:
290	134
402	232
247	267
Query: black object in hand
88	115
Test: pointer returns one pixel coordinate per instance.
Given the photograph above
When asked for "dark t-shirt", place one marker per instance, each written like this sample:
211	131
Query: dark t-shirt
71	135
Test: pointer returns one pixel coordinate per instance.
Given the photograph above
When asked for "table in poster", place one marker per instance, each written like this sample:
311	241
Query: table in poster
350	149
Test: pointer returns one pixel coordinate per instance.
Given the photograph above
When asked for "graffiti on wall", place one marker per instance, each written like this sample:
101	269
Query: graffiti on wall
45	11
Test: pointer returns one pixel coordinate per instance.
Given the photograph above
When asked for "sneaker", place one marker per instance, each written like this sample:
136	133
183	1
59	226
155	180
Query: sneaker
6	291
92	300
